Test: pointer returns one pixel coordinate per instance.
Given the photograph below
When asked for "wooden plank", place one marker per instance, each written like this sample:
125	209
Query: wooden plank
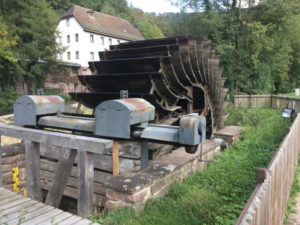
14	203
73	193
145	154
0	162
85	183
99	176
70	220
81	143
115	157
20	213
32	152
45	217
9	194
58	218
27	215
61	176
102	162
10	199
8	213
73	182
4	192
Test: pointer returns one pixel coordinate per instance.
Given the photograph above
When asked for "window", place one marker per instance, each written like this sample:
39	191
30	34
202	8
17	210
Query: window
68	22
92	38
91	55
77	54
110	41
69	55
102	40
76	37
61	56
60	40
68	39
119	41
124	30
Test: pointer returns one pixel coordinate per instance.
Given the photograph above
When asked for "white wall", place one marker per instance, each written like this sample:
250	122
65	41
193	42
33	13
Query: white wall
83	46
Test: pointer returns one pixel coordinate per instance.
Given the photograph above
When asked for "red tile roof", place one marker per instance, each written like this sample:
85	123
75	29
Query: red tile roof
104	24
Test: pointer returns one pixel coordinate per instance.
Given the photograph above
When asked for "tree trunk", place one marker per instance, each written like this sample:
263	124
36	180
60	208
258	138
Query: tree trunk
27	85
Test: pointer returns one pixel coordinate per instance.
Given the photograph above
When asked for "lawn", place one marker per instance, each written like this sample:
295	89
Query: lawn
292	95
217	194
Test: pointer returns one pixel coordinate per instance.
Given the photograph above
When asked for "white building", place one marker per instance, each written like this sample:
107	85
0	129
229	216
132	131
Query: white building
85	32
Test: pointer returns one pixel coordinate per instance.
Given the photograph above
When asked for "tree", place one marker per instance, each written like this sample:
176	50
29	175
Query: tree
259	44
7	59
33	23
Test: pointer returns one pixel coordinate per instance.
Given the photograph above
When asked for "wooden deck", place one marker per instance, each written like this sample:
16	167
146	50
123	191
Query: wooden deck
17	209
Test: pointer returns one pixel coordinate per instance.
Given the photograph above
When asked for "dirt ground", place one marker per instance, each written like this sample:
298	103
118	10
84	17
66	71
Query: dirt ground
8	119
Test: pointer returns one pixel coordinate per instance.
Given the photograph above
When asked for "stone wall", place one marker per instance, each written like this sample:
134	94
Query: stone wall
133	189
13	156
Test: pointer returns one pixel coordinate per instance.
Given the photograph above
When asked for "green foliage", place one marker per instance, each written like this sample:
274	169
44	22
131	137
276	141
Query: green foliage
65	96
7	99
243	117
7	59
149	25
293	194
32	26
259	45
217	194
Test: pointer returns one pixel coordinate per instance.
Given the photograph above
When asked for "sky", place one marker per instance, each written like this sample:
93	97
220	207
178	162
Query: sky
157	6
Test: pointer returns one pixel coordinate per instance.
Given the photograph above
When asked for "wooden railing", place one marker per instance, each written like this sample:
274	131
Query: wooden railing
267	203
73	145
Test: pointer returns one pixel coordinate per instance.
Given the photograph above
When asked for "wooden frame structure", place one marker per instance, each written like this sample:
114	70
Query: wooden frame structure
73	145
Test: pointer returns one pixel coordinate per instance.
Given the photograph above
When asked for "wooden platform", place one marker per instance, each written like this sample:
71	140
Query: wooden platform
17	209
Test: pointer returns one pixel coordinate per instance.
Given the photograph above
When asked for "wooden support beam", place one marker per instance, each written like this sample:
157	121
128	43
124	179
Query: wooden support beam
190	105
115	155
78	108
0	162
32	154
81	143
144	154
61	176
85	183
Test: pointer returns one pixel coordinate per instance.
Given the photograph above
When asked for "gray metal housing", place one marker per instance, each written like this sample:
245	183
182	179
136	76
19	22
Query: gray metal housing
28	107
114	117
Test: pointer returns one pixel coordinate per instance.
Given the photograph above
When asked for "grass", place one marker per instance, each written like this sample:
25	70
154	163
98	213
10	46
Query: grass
293	194
292	95
217	194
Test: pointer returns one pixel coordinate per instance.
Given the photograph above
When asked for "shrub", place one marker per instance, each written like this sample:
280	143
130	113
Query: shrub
7	99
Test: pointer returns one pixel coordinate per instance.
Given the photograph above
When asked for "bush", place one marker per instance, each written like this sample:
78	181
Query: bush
7	99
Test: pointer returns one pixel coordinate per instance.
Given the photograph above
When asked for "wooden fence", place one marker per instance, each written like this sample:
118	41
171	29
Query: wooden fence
266	101
72	145
267	203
